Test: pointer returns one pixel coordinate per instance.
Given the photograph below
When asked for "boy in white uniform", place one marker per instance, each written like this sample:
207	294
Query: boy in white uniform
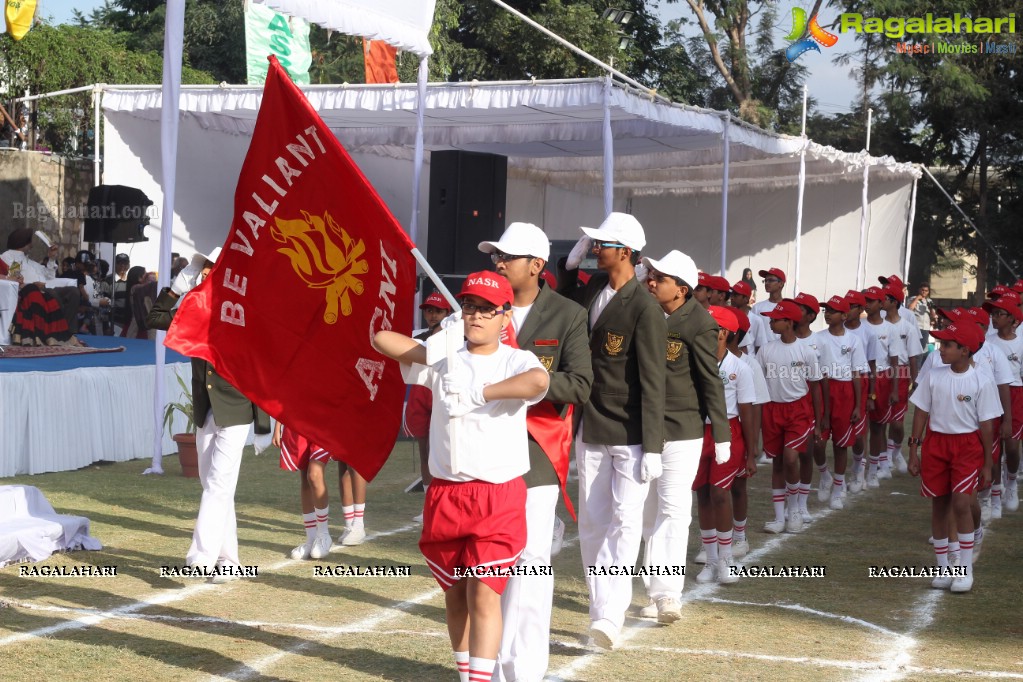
474	520
740	498
959	406
909	352
888	385
1005	315
815	450
857	304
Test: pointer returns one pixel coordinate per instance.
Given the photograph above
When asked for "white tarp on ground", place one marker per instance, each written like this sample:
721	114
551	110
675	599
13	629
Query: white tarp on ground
668	169
31	530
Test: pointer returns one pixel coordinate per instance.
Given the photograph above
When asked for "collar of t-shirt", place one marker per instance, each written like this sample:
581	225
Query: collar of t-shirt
519	316
600	302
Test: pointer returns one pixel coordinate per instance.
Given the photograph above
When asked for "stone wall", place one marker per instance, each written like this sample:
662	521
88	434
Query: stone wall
44	192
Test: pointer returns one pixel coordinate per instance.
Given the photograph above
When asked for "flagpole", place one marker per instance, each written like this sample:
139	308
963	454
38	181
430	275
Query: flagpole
435	278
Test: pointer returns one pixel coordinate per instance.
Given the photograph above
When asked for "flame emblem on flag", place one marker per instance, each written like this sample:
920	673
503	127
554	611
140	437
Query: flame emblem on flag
324	256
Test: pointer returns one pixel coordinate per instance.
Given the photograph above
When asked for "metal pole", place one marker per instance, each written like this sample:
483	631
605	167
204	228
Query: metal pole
799	205
724	198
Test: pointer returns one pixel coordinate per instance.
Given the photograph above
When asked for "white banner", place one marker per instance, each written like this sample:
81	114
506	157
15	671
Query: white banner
266	33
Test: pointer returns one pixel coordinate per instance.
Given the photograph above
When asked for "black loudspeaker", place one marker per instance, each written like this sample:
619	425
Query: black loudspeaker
116	214
467	198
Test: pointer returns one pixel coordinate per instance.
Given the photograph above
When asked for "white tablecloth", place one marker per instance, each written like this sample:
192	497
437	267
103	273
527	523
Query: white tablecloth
8	302
31	529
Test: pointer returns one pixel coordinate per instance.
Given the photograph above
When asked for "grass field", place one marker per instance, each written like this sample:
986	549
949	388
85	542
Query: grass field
287	624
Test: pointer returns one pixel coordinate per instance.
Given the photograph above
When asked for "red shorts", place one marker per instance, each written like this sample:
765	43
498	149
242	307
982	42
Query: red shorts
950	462
842	430
721	475
417	412
996	443
883	412
1016	404
296	451
898	412
473	529
860	427
787	425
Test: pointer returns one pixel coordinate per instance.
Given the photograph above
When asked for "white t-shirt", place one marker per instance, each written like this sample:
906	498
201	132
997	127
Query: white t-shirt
957	403
764	333
903	312
492	440
788	367
889	343
819	352
991	364
519	318
845	354
868	339
737	378
910	335
600	302
759	382
1013	351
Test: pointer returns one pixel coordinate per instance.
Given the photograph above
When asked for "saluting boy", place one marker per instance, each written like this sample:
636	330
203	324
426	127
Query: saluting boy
474	521
957	405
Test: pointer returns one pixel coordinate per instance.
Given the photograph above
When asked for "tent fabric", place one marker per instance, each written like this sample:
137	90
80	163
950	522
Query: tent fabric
404	24
31	530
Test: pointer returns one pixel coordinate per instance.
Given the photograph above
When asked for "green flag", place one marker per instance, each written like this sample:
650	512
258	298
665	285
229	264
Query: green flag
266	33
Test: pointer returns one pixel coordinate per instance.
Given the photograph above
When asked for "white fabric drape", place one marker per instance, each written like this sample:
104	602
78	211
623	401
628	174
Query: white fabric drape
909	232
31	530
864	220
609	152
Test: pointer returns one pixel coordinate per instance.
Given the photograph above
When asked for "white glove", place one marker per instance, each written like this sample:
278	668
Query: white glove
187	279
464	402
456	380
651	467
722	451
641	272
451	320
578	252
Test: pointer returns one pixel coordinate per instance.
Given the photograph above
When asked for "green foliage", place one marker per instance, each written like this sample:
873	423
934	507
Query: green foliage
183	406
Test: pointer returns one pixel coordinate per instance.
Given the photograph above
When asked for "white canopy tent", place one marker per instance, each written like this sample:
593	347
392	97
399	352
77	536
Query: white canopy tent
669	165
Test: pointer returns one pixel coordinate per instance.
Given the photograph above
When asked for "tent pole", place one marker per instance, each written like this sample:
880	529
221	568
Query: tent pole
799	204
724	198
424	71
909	232
97	93
864	207
609	154
174	30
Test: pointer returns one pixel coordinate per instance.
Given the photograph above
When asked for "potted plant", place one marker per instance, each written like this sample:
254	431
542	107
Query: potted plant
188	455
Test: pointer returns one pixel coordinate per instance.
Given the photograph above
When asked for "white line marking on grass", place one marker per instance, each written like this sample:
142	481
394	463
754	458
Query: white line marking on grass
901	655
803	609
254	669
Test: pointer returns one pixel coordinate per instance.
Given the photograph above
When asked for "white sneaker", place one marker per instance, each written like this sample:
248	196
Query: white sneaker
320	547
872	481
900	463
668	610
342	535
302	551
418	518
824	487
355	536
1010	497
740	548
559	537
996	507
804	514
794	524
884	471
725	574
962	583
930	540
764	459
855	484
649	611
709	574
774	527
942	582
836	501
701	557
603	634
985	509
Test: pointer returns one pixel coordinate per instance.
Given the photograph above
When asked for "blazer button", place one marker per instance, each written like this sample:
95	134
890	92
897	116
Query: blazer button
209	372
209	387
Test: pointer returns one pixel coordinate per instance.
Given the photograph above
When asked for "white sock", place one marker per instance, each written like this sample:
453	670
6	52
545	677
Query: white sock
360	511
481	669
779	497
349	512
309	521
838	480
804	495
739	534
462	662
996	495
724	545
873	463
941	552
322	519
709	538
792	498
823	468
966	552
953	546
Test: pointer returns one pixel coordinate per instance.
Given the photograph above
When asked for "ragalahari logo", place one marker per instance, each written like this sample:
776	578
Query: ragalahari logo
817	35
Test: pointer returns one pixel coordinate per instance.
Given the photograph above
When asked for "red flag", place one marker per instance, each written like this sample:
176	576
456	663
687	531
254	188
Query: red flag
380	60
314	265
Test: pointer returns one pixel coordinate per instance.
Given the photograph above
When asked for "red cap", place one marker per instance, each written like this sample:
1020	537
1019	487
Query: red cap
979	315
1018	286
742	289
837	303
894	290
998	291
968	335
702	278
873	294
786	310
773	272
854	297
742	317
718	283
489	286
435	300
953	314
725	317
1004	304
808	300
1012	296
891	280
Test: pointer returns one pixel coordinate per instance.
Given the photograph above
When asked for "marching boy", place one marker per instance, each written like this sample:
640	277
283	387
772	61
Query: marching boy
474	521
792	416
956	452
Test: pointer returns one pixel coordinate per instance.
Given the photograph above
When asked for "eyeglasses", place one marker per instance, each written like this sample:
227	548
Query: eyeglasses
597	246
498	257
487	312
998	312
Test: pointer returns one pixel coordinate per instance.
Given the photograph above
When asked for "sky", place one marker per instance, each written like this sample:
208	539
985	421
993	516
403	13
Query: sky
832	86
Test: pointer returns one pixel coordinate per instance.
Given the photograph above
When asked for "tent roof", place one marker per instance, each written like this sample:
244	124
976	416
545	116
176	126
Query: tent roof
550	130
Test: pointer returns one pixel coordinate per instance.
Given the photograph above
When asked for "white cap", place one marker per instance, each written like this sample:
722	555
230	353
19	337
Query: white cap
675	264
521	239
619	227
200	258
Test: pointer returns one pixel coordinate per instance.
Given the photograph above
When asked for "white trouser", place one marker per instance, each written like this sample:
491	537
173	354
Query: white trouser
611	497
215	538
527	599
667	516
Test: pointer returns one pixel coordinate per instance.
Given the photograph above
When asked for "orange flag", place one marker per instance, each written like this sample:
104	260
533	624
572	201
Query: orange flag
381	64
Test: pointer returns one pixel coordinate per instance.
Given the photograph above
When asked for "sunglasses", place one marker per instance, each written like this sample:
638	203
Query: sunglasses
498	257
607	245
